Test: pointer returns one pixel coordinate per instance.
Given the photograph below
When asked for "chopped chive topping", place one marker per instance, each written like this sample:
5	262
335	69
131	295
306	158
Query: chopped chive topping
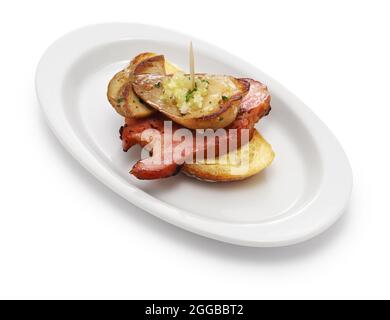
224	98
158	85
120	100
190	93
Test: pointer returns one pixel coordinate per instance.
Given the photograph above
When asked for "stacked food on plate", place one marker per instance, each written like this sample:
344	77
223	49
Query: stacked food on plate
200	124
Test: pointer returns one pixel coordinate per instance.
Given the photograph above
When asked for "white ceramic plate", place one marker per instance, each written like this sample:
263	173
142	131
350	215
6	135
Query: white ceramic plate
300	195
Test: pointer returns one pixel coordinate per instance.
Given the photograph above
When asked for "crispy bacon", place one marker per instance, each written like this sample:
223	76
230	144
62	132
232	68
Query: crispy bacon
254	106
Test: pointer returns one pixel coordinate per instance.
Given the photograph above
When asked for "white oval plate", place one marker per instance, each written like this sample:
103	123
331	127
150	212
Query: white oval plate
301	194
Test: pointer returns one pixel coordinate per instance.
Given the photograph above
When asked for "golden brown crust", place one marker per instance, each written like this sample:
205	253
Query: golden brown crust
259	156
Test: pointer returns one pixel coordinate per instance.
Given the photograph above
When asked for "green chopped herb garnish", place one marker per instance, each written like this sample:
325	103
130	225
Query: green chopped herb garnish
120	100
224	98
190	93
158	85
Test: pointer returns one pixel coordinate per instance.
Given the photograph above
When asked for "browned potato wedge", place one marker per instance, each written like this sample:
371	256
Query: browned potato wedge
232	167
133	107
214	103
138	59
120	92
151	65
115	89
121	95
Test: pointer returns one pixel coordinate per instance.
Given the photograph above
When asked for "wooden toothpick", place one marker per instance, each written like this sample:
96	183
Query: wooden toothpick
192	67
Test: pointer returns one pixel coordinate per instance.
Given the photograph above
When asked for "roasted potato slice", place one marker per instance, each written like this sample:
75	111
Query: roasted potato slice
234	166
151	65
138	59
212	104
120	92
115	89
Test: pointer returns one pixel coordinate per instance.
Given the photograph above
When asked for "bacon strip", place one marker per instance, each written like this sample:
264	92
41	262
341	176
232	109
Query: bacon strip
254	106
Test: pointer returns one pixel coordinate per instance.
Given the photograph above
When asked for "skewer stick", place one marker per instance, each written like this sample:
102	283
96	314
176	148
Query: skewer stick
192	67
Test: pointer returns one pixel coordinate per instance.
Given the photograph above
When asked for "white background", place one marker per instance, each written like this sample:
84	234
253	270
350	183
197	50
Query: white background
64	235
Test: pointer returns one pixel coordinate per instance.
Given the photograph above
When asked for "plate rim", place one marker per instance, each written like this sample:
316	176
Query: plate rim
256	234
